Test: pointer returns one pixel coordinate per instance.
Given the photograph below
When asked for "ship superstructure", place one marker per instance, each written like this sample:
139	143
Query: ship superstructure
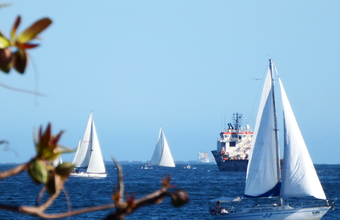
233	146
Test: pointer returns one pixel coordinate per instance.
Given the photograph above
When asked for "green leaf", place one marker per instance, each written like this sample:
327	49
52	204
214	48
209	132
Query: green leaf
4	43
14	28
31	32
64	169
38	171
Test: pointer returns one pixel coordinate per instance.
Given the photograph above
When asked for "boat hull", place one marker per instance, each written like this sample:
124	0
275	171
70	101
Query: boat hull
230	165
315	213
88	174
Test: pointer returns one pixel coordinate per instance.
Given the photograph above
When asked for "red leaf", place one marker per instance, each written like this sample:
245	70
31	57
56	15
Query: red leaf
27	46
56	138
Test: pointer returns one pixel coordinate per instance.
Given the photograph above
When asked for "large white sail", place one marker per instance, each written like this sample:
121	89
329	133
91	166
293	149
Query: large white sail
162	155
299	177
83	154
166	159
262	173
96	164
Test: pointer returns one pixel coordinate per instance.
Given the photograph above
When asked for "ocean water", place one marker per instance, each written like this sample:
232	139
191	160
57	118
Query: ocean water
202	184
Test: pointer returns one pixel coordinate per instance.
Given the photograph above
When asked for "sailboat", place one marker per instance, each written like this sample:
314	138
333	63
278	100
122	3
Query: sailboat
264	182
88	159
162	155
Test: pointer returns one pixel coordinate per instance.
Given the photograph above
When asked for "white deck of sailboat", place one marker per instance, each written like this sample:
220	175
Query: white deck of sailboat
237	208
276	213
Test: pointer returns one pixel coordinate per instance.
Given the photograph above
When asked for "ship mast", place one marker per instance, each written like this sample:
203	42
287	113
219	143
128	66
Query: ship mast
276	128
237	120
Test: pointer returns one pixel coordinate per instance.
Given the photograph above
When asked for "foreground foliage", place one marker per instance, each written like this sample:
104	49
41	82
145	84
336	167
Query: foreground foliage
13	54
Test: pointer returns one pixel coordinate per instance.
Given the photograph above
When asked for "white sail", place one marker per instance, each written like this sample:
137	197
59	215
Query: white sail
96	164
166	159
83	154
299	177
157	154
262	169
78	149
162	155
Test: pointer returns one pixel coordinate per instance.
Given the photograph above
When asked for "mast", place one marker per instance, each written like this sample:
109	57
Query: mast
237	120
276	128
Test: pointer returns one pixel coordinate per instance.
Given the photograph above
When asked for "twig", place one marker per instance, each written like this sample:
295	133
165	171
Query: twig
69	207
20	90
40	195
120	190
14	171
34	211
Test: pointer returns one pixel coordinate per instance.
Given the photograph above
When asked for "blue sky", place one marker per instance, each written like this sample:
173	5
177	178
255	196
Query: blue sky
185	65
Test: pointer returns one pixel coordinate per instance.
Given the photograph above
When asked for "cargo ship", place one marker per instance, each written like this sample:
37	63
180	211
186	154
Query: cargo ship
233	146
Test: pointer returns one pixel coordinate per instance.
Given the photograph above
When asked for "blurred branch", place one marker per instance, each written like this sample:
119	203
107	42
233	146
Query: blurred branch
37	211
118	196
15	171
20	90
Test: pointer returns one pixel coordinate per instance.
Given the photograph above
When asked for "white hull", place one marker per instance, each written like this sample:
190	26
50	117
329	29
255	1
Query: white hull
286	213
88	174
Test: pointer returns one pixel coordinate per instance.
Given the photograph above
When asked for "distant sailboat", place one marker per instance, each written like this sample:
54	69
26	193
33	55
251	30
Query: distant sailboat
89	155
162	155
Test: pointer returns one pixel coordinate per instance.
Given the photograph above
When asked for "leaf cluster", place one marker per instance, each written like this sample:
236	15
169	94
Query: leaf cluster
41	169
22	42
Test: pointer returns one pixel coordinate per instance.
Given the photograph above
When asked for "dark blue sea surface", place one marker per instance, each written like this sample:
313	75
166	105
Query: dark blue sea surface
202	184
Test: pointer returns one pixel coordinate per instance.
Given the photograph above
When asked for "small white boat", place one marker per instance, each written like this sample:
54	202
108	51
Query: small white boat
147	166
266	190
88	159
187	167
162	155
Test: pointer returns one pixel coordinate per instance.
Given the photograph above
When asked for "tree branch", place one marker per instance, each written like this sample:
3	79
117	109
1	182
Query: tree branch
12	172
118	197
34	211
